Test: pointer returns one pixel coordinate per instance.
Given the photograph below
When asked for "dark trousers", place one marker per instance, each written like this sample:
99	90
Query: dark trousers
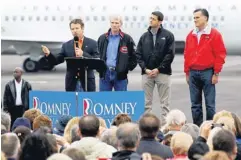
91	87
110	81
16	112
202	81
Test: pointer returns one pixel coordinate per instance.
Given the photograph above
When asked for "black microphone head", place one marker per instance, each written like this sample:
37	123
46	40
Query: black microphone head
76	38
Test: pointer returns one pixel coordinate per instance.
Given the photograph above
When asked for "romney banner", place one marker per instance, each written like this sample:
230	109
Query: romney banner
54	104
108	104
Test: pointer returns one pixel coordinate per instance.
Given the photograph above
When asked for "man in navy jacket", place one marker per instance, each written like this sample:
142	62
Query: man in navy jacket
117	49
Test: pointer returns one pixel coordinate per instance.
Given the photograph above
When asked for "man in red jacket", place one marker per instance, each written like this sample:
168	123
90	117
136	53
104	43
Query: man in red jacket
204	57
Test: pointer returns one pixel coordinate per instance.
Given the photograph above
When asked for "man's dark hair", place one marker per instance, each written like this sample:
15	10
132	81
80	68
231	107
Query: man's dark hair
36	146
159	15
149	125
224	140
77	21
89	126
197	149
203	11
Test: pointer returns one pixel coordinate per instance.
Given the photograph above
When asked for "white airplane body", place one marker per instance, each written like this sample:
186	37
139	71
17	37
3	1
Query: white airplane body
28	24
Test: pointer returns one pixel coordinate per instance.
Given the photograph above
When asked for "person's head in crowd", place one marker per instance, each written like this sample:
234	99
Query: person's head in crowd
121	118
43	130
237	123
149	125
220	114
197	150
36	146
59	156
180	143
227	123
21	121
3	156
10	145
75	136
191	129
42	121
51	138
128	136
103	126
6	120
225	141
22	132
53	142
74	153
89	126
215	155
167	139
67	130
61	124
175	119
212	133
102	122
31	114
109	137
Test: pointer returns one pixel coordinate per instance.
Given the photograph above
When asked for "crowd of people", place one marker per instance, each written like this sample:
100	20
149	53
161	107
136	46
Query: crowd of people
88	138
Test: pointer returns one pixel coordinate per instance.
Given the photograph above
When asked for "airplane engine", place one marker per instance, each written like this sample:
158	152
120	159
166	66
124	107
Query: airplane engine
34	65
179	47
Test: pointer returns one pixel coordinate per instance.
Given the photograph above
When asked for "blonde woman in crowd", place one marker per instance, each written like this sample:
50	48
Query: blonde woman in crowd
180	144
67	130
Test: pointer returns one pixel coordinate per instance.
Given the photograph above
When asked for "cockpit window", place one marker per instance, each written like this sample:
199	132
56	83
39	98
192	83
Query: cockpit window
37	18
14	18
6	18
22	18
45	18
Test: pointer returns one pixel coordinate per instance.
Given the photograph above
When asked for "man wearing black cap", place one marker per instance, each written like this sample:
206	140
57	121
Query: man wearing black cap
21	121
80	46
155	53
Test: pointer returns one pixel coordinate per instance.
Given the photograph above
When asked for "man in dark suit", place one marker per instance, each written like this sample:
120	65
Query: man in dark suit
86	48
16	95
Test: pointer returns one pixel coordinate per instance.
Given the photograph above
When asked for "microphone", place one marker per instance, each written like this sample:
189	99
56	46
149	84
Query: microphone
76	41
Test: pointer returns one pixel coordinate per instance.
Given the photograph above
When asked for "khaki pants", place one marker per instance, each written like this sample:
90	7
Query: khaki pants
163	83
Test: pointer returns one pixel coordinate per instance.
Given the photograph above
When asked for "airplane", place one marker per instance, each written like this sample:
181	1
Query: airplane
28	24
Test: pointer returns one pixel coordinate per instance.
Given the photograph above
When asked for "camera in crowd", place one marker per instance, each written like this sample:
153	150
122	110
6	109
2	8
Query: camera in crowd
217	125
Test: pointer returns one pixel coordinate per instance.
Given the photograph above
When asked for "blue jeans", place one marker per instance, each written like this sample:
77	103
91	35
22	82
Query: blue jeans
79	87
202	81
110	81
